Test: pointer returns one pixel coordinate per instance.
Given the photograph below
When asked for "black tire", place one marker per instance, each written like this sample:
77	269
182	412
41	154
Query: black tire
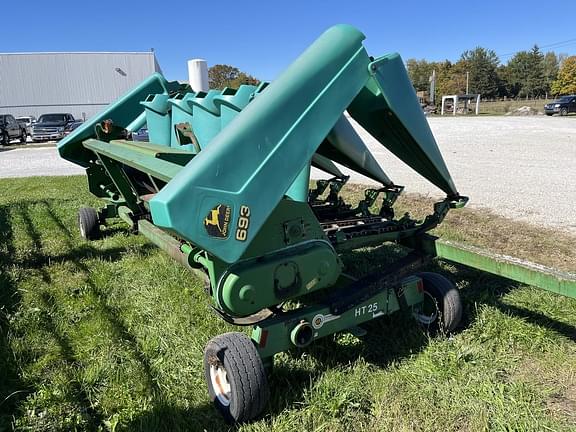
564	112
23	137
88	223
236	377
442	309
5	139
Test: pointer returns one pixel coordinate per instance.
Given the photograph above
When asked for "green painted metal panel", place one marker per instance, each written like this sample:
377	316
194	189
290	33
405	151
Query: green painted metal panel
230	106
122	112
137	123
324	323
174	155
512	268
135	157
389	110
206	117
247	289
298	191
158	118
181	113
255	159
152	148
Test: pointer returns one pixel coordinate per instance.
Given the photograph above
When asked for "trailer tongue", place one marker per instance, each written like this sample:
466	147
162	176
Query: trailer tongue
224	188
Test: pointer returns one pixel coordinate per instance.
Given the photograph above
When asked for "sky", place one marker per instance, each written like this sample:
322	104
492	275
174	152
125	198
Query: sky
264	37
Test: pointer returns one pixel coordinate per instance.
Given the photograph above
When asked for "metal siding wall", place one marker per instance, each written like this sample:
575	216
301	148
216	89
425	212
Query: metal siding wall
33	84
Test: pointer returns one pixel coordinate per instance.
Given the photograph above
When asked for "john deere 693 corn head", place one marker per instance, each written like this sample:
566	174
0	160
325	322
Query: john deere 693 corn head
223	186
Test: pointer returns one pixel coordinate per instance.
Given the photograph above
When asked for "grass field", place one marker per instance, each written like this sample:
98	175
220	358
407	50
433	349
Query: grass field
502	107
109	335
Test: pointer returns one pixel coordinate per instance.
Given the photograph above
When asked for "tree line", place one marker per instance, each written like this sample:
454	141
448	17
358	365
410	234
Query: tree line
528	74
222	75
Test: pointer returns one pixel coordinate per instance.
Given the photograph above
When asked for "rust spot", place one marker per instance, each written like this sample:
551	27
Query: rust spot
213	360
107	126
147	197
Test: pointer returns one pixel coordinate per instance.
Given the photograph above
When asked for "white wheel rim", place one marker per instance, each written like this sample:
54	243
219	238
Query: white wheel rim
220	384
426	319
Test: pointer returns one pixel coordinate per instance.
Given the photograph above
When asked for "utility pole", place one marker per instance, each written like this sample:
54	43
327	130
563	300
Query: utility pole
467	82
433	87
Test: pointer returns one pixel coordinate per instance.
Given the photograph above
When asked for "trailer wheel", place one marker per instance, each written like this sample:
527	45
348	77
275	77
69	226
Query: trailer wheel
88	223
236	377
442	309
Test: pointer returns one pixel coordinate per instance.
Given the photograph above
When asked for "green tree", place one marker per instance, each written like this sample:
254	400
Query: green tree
220	76
449	80
507	84
481	65
551	67
527	72
536	83
566	82
420	72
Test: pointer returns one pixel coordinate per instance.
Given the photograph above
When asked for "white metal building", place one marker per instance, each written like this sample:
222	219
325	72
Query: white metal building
80	83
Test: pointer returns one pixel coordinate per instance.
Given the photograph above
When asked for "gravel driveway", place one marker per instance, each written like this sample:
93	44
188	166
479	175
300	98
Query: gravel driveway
520	167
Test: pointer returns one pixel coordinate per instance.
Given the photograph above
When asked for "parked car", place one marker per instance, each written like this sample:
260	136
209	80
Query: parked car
140	135
72	126
27	121
10	129
51	126
562	106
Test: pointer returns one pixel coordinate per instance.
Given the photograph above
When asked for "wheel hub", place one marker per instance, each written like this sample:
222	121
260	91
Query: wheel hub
429	311
82	229
220	384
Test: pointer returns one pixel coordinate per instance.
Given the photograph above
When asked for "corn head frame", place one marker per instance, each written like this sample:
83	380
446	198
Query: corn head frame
223	187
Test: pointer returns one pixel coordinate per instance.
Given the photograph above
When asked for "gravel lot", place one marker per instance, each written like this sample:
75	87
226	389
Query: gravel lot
35	161
520	167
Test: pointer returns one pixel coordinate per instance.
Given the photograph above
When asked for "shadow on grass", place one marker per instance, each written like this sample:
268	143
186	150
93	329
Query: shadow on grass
36	259
396	337
12	389
389	339
488	289
163	416
167	418
80	397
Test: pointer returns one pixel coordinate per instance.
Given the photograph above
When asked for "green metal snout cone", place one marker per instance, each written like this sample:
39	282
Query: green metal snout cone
387	107
251	164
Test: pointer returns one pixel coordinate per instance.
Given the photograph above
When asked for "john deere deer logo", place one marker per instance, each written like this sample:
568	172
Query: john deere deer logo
217	222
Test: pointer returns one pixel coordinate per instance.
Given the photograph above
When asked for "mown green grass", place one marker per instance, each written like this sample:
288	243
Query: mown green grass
109	335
